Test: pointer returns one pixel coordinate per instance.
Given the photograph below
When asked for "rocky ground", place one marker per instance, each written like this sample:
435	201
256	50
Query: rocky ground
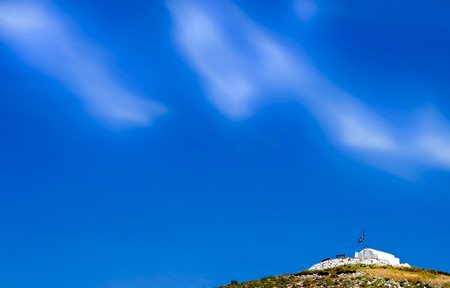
332	263
354	275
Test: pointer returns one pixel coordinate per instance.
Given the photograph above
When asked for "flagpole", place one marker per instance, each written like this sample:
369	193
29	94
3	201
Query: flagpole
364	240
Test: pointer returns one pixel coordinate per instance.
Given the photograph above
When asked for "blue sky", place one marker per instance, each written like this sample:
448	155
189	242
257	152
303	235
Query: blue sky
189	143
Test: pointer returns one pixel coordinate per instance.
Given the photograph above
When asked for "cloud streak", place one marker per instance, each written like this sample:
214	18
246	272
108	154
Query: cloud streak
244	67
50	43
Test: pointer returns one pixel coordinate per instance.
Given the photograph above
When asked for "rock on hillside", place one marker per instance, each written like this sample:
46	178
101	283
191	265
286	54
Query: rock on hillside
345	261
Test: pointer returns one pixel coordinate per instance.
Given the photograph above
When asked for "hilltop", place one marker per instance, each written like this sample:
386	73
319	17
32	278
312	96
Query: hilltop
353	275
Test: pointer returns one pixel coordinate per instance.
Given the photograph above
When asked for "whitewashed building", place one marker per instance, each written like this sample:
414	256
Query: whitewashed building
374	254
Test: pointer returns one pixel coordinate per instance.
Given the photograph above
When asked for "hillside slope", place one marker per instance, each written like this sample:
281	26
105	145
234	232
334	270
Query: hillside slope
359	275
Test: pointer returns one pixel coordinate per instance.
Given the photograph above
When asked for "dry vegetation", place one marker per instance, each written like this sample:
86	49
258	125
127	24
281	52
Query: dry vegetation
354	276
431	277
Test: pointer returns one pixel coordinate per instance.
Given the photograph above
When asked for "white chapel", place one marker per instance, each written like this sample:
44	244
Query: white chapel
375	254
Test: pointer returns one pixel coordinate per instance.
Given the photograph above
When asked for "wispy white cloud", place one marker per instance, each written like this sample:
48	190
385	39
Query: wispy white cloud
49	42
244	67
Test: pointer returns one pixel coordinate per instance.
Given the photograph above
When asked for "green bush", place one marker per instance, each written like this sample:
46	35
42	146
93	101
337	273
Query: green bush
305	272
